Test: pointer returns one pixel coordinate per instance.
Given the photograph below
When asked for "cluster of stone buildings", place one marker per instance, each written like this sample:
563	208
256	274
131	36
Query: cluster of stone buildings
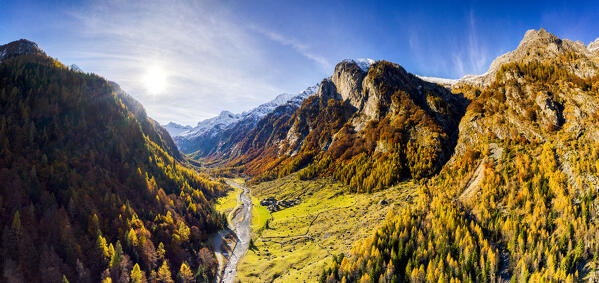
272	204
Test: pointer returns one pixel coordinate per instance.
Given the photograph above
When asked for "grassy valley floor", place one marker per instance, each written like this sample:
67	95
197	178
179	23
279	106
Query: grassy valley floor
227	203
294	244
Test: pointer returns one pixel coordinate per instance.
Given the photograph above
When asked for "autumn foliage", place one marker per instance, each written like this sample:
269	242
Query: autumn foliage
88	189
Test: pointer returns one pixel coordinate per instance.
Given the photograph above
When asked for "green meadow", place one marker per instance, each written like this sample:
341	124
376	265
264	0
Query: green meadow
294	244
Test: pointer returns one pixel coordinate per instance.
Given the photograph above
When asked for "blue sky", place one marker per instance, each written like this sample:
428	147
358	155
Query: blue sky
235	55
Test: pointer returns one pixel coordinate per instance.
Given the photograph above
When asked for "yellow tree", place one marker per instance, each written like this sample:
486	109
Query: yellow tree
132	238
164	273
136	275
185	273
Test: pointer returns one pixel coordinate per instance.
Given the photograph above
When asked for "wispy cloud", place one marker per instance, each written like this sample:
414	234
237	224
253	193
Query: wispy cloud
210	61
471	56
296	45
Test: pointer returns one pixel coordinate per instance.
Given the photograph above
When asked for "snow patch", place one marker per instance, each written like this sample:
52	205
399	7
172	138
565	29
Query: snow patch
440	81
227	119
364	63
175	129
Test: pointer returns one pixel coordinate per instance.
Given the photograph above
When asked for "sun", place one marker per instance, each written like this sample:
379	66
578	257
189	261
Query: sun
155	80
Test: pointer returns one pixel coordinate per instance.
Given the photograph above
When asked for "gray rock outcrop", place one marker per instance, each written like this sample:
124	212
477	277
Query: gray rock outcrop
348	78
550	109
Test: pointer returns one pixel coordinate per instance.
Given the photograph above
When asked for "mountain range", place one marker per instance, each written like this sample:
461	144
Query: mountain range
514	201
209	134
366	98
505	163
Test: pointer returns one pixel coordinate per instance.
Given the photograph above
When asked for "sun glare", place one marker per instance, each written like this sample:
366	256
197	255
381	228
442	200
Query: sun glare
155	80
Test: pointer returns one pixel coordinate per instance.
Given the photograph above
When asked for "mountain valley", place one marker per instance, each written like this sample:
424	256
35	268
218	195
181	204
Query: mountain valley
374	174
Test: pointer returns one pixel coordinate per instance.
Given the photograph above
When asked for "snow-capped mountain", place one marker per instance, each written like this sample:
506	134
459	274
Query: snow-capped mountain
188	138
281	99
175	129
441	81
224	119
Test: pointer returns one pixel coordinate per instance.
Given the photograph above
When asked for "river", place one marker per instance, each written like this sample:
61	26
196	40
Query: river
240	227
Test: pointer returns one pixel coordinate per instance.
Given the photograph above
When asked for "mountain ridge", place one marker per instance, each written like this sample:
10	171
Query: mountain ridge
214	133
19	47
522	172
536	42
386	103
256	113
367	96
226	118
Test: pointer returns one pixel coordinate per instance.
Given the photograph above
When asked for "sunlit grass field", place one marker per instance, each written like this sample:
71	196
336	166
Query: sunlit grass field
300	240
260	215
227	203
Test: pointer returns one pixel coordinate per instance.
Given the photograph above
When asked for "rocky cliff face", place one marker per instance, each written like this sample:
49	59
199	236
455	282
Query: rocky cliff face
391	124
347	80
544	89
357	116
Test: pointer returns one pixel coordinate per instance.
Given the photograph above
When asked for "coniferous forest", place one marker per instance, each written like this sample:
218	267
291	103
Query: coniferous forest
89	190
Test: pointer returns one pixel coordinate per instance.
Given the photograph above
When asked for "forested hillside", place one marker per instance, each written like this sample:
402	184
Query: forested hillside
91	189
518	199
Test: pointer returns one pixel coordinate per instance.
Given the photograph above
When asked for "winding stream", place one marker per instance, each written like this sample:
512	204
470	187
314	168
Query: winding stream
240	227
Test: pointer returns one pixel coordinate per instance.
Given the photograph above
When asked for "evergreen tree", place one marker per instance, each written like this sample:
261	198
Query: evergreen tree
185	273
160	252
117	255
136	275
102	248
164	273
132	240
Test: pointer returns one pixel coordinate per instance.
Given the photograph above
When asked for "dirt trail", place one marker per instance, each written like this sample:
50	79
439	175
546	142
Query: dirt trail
239	225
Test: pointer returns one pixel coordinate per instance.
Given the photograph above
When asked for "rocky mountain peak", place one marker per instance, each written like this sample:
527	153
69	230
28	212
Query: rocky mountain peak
540	35
542	46
348	78
328	90
226	113
536	45
385	78
19	47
